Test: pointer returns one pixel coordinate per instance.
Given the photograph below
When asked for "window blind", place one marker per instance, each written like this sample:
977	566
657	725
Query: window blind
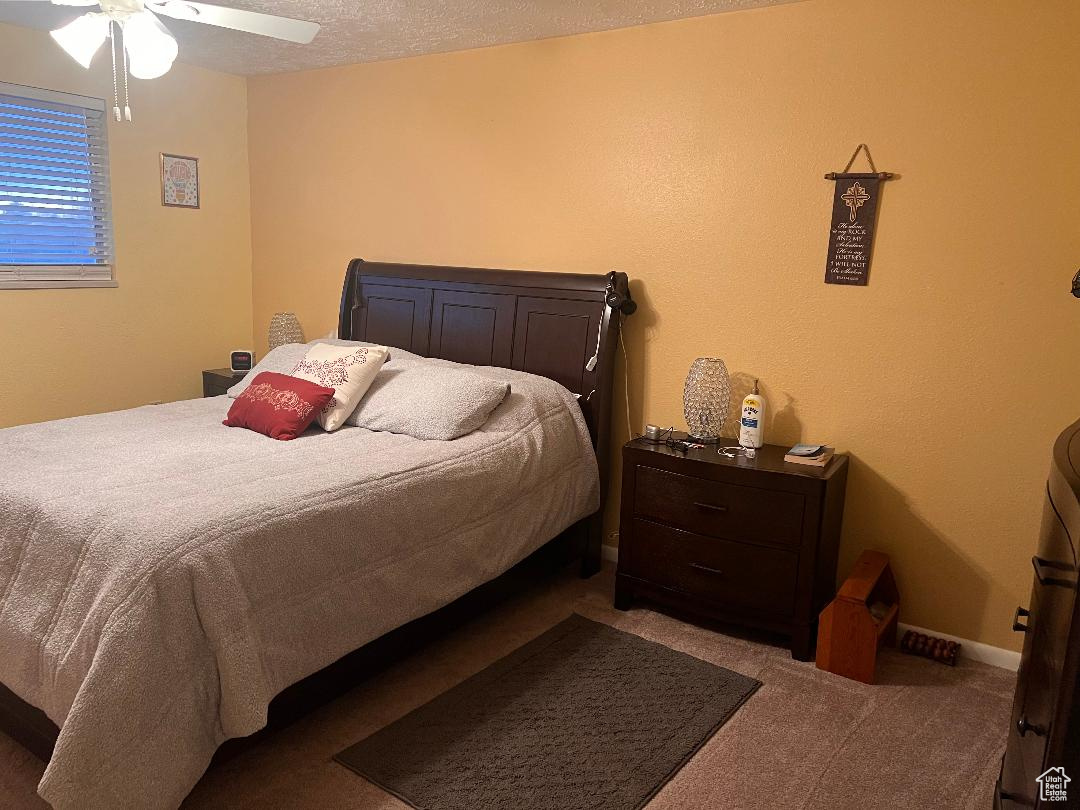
55	210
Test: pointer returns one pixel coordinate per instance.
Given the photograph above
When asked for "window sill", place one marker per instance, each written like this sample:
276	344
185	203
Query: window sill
69	284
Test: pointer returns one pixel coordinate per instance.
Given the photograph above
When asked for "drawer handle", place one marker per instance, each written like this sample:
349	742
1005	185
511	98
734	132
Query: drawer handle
1023	726
706	569
1017	626
711	507
1038	563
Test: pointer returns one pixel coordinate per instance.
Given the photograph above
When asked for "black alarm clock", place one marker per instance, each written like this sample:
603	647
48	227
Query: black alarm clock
241	360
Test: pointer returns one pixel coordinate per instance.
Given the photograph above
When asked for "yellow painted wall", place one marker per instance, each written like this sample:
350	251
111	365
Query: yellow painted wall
690	155
184	298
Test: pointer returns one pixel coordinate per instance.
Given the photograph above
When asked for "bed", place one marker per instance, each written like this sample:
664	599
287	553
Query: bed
178	574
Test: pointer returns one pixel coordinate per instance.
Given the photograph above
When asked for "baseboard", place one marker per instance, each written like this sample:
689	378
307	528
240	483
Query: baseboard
972	650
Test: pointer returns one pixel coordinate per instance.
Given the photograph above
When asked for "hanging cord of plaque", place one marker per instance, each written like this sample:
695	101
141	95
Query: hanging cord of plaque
854	217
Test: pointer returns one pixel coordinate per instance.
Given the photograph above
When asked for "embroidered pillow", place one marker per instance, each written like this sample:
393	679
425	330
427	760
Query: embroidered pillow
283	359
349	370
278	406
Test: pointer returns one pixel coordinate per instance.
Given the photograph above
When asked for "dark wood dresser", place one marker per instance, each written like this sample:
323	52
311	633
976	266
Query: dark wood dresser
1043	748
751	542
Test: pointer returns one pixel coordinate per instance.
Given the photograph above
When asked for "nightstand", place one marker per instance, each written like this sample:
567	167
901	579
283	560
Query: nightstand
218	381
748	542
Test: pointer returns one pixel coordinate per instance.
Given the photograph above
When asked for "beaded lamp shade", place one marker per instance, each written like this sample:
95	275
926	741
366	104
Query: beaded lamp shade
706	396
285	328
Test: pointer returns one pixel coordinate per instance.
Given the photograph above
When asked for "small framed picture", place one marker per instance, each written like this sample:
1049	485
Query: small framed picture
179	181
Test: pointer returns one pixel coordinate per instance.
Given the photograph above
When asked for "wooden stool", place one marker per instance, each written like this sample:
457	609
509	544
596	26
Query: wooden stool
859	619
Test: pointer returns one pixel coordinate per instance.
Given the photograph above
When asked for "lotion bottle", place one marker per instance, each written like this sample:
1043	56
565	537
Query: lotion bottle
753	412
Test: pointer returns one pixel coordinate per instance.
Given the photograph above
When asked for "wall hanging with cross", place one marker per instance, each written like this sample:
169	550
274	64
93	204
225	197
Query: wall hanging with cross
854	216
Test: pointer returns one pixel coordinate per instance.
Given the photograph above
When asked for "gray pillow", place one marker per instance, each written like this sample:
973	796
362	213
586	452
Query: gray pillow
429	401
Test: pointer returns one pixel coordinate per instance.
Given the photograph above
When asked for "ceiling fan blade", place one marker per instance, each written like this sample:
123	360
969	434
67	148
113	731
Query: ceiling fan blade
252	22
61	2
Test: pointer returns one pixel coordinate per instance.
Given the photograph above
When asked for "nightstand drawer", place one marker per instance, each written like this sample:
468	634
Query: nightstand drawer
724	572
719	510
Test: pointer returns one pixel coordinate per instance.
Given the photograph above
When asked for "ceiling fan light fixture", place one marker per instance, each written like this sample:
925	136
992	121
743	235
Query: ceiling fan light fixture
151	49
82	37
142	47
149	68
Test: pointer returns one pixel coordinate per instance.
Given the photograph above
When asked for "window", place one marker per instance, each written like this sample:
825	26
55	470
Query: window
55	213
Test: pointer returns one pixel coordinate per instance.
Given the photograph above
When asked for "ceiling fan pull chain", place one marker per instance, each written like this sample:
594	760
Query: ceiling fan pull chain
115	85
127	98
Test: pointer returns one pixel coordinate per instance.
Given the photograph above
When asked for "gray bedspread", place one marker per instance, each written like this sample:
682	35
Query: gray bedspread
162	577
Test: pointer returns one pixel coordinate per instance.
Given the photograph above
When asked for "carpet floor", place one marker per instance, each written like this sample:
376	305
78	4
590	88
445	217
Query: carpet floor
927	736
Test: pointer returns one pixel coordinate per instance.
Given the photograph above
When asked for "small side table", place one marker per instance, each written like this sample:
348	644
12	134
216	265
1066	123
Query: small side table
218	381
750	542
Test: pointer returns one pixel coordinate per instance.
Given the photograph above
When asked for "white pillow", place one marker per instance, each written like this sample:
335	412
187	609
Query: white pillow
349	370
283	360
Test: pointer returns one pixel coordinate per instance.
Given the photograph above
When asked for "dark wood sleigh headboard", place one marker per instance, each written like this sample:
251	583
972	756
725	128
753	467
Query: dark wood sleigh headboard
549	324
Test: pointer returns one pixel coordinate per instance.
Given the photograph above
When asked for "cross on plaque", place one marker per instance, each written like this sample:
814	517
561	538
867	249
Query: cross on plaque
854	197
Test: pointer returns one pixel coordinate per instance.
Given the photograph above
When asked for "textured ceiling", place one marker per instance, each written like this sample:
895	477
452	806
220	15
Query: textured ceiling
390	29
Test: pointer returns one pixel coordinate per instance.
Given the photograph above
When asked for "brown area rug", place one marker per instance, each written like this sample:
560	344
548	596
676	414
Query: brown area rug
585	716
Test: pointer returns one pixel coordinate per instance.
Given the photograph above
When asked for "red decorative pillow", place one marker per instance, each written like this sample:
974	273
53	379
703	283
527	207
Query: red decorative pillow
278	406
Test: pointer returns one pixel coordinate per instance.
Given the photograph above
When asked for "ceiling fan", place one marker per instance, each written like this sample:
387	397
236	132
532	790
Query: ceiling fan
146	48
